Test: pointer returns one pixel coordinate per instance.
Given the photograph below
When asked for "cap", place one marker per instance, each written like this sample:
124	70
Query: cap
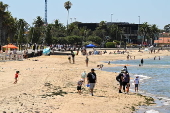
92	70
81	79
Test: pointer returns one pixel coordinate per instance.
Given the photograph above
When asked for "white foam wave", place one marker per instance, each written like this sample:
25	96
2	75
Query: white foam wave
152	111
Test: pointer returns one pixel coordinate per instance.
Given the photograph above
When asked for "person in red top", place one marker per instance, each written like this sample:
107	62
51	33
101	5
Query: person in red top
16	77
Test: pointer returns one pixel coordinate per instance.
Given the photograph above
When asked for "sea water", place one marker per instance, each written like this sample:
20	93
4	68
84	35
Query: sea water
154	78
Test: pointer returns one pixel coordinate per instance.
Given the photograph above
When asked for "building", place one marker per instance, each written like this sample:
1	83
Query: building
130	31
164	39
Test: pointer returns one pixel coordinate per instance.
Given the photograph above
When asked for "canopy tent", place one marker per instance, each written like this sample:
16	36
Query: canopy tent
46	51
10	46
90	45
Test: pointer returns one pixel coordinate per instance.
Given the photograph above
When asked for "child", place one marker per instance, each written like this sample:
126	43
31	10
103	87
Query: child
83	76
16	77
136	81
79	84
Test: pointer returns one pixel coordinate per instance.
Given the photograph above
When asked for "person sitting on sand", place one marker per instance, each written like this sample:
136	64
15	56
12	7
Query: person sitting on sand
16	77
79	84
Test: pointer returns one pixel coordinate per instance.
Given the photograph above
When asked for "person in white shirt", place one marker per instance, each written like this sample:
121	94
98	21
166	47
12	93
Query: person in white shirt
136	82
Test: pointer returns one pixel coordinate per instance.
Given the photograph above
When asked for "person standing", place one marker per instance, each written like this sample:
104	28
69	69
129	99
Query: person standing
73	55
136	82
87	61
91	80
126	80
142	61
119	78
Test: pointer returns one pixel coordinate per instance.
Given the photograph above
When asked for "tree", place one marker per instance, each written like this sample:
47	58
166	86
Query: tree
48	38
21	28
3	14
167	28
39	30
67	6
95	39
144	30
154	32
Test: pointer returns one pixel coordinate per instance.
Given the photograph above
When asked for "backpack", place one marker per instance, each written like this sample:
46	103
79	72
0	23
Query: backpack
118	77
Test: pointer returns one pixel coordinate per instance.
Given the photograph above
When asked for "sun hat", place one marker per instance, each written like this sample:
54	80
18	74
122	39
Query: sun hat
81	79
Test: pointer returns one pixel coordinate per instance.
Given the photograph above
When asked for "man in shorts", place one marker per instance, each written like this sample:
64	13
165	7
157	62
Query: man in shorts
91	79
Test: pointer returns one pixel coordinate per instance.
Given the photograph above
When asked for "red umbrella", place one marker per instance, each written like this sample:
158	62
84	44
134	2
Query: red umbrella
10	46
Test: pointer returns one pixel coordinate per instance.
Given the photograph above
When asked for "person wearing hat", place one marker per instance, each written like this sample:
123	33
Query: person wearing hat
126	80
119	78
79	84
91	80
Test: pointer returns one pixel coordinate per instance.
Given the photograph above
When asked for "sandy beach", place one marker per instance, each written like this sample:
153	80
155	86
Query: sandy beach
48	85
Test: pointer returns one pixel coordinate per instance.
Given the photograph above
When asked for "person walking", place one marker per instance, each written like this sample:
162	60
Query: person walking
83	76
16	77
79	85
91	80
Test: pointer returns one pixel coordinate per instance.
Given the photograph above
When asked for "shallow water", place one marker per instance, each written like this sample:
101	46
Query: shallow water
154	80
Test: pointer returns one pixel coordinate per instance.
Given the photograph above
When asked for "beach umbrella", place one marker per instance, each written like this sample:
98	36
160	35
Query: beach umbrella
46	51
10	46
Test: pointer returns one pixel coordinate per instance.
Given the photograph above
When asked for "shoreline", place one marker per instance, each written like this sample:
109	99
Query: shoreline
49	85
159	102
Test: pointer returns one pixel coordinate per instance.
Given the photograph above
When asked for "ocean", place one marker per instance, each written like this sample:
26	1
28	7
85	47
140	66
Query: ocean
154	78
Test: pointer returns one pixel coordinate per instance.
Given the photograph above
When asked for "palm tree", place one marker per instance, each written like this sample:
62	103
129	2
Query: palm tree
144	30
154	31
67	6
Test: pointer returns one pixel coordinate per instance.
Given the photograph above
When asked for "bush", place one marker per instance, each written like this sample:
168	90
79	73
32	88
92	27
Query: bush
110	45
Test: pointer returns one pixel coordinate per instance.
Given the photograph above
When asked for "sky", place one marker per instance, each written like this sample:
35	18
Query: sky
94	11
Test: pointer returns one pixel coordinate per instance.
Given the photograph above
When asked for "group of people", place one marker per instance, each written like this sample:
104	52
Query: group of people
124	80
91	80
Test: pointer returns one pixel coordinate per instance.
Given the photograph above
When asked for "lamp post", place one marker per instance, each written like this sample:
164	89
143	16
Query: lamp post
111	17
139	19
139	27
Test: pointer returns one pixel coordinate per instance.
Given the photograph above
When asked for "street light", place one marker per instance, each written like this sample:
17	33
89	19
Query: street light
138	27
111	17
139	19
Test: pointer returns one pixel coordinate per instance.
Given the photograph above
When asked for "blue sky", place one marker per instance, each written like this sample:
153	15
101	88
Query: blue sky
92	11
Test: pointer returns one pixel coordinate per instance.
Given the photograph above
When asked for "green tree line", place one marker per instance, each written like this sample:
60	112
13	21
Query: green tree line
13	30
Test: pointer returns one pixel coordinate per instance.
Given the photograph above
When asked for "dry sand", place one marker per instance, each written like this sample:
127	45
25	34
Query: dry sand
49	85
